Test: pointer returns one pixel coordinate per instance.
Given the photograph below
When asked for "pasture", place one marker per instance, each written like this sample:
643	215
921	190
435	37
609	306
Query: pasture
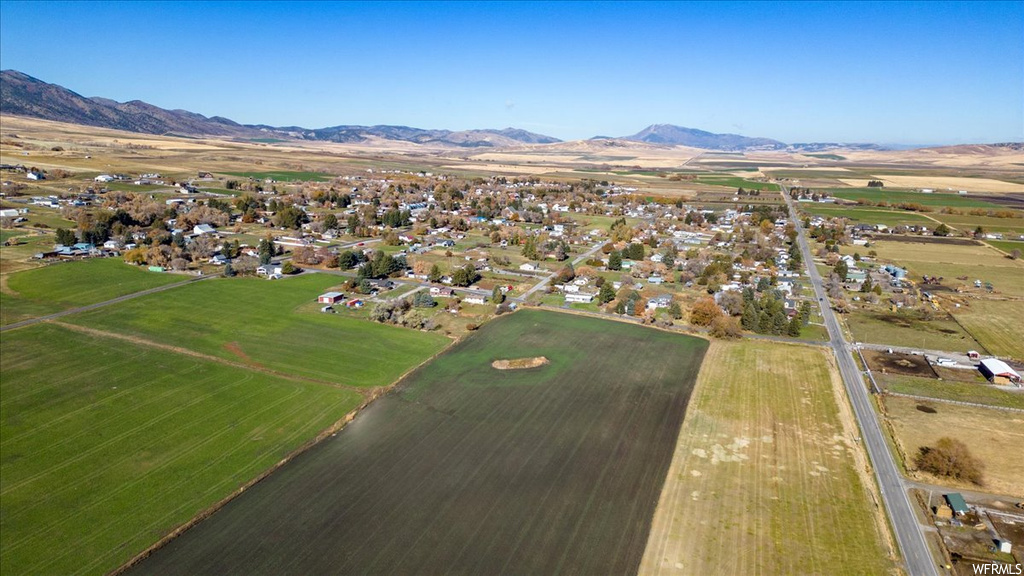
737	182
107	445
259	322
468	469
767	477
908	329
65	285
283	175
969	222
951	261
878	196
860	215
995	324
992	436
975	392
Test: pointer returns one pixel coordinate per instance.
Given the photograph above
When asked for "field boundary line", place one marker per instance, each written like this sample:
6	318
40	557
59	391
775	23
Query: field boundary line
369	395
88	307
959	402
195	354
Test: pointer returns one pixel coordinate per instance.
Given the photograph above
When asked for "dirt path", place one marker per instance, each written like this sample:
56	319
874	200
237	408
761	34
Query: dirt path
365	392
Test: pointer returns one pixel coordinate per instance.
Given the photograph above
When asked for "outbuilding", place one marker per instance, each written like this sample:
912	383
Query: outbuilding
330	298
957	503
998	372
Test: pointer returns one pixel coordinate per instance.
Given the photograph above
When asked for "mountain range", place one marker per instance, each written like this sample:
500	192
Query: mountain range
23	95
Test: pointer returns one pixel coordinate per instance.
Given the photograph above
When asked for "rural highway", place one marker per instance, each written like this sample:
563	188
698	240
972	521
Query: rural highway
916	556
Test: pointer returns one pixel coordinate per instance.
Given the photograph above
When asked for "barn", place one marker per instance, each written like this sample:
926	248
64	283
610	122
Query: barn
999	372
330	298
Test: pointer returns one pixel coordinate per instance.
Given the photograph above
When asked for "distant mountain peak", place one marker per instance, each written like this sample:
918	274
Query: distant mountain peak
23	95
679	135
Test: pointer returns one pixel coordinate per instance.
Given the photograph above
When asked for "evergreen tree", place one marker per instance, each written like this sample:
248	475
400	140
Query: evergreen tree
793	329
749	319
607	294
615	261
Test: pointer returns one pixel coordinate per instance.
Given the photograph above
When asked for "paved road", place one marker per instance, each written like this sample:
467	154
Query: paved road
908	530
31	321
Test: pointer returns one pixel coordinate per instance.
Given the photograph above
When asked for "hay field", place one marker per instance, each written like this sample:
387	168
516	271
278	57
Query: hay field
950	183
993	436
767	477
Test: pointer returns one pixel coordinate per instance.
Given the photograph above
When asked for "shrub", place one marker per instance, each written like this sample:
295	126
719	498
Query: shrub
950	458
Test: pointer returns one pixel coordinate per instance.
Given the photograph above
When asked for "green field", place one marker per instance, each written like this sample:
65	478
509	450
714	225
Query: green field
737	182
466	469
968	223
906	329
256	321
5	235
875	195
890	218
1007	246
826	156
949	390
64	285
107	446
768	476
283	175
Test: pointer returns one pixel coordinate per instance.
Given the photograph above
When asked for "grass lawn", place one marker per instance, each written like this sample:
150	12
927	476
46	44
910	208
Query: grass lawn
767	477
906	329
64	285
977	393
256	321
107	446
992	436
283	175
992	323
5	235
1007	246
737	182
467	469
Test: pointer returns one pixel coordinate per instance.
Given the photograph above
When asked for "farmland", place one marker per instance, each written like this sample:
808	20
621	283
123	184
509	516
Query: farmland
908	329
467	469
33	293
975	392
737	182
107	445
765	477
283	176
877	196
951	261
259	323
991	324
992	436
890	218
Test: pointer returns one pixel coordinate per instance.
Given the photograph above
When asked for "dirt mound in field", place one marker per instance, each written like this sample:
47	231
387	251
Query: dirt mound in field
519	363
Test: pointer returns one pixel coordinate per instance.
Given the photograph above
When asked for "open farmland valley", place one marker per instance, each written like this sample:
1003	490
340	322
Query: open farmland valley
465	468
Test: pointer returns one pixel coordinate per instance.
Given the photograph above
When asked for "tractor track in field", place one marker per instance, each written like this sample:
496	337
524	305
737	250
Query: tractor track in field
253	366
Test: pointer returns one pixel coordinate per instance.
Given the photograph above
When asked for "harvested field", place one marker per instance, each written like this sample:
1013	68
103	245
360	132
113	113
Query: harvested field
908	329
992	436
767	477
956	390
464	469
898	363
996	324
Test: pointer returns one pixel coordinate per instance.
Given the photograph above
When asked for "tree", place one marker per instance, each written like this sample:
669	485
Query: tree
423	299
750	317
950	458
435	273
290	217
607	293
288	268
793	329
330	222
530	248
842	270
1015	254
674	310
66	237
465	276
266	250
704	312
726	327
497	296
867	286
229	271
941	230
615	261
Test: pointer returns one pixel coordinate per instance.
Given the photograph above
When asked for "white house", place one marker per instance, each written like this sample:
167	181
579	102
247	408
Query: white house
580	297
475	299
201	229
528	267
269	270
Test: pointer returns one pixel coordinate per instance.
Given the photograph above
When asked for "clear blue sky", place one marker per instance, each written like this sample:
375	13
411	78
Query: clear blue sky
900	72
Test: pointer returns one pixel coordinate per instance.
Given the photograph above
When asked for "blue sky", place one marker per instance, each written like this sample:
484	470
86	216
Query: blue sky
900	72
